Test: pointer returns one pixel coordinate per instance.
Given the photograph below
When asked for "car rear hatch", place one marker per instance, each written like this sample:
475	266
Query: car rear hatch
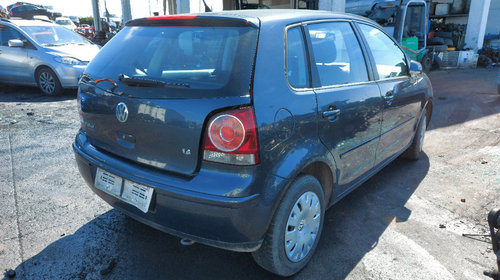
148	93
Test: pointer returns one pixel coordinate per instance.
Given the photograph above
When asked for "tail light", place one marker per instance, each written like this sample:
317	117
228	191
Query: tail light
231	138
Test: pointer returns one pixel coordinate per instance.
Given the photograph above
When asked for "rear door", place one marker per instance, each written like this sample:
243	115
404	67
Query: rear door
403	100
349	102
146	96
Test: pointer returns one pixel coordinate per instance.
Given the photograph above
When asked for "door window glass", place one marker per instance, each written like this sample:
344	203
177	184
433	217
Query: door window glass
297	68
7	33
337	54
389	58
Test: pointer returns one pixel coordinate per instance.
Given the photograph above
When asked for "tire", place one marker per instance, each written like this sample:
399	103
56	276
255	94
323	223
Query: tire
436	41
413	152
278	251
48	82
444	35
448	42
427	62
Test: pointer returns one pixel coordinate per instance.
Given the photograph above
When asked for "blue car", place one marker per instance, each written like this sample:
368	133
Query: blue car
498	82
239	129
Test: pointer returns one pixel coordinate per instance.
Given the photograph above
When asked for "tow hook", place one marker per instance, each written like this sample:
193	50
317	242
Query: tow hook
187	242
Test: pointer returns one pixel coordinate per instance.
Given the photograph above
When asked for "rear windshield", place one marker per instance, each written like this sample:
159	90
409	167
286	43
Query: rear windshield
197	58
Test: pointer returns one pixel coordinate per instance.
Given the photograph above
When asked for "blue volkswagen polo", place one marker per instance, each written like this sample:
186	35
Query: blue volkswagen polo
239	129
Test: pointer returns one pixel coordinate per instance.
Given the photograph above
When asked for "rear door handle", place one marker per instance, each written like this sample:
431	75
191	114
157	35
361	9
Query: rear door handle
389	97
332	114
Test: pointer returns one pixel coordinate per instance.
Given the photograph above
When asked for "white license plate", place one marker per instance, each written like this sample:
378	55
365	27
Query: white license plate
128	191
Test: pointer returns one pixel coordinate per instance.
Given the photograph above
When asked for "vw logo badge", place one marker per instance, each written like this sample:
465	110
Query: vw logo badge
121	112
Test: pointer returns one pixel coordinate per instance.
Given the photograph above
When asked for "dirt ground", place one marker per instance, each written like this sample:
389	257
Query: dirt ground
404	223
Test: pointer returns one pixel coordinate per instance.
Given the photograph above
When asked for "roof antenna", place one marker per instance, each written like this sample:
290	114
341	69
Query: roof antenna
207	9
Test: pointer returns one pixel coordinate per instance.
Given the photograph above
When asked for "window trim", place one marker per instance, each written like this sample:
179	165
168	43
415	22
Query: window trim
370	54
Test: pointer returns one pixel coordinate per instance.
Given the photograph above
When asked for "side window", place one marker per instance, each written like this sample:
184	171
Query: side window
337	54
297	68
389	58
7	33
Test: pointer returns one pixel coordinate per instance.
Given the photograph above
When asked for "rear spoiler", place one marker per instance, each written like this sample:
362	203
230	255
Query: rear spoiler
194	20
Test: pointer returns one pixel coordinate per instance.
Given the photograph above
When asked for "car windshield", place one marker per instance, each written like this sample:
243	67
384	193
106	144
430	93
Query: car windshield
63	21
54	35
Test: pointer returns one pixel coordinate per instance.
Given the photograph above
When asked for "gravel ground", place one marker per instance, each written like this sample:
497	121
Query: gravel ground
404	223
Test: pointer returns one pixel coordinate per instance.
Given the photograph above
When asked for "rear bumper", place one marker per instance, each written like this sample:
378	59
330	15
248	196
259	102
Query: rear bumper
232	223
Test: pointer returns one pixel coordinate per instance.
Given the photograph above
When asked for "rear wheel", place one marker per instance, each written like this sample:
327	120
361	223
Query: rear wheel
413	152
295	229
48	82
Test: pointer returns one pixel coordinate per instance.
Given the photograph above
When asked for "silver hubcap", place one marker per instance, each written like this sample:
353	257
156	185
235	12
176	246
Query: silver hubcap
302	226
422	132
47	82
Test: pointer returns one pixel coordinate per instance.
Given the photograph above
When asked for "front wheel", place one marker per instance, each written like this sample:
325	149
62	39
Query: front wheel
295	229
48	82
413	152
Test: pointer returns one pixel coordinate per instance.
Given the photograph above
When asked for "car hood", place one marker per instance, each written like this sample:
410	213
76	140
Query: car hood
80	52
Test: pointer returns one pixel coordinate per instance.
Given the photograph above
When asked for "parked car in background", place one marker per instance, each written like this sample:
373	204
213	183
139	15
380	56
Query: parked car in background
43	54
187	128
364	7
86	32
50	9
17	4
28	11
498	82
3	12
75	20
66	22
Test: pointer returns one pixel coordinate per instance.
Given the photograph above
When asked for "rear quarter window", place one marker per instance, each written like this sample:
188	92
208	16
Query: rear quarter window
297	67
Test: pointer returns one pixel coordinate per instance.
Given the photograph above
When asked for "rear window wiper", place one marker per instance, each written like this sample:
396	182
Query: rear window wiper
147	82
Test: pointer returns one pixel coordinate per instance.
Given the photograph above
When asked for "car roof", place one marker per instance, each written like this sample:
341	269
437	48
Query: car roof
30	22
281	16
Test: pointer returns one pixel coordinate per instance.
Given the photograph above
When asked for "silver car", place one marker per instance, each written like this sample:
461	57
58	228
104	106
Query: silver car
364	7
43	54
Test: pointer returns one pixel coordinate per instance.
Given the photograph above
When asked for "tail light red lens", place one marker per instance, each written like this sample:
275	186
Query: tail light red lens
231	138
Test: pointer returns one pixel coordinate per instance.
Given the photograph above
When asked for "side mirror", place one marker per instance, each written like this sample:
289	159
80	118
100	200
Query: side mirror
16	43
415	67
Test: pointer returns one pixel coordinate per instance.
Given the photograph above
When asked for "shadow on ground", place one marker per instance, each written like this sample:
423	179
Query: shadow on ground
453	88
113	246
11	93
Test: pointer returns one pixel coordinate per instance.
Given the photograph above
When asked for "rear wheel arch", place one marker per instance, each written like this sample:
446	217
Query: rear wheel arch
322	172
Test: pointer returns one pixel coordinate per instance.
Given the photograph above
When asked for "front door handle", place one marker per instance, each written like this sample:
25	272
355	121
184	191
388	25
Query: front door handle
332	114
